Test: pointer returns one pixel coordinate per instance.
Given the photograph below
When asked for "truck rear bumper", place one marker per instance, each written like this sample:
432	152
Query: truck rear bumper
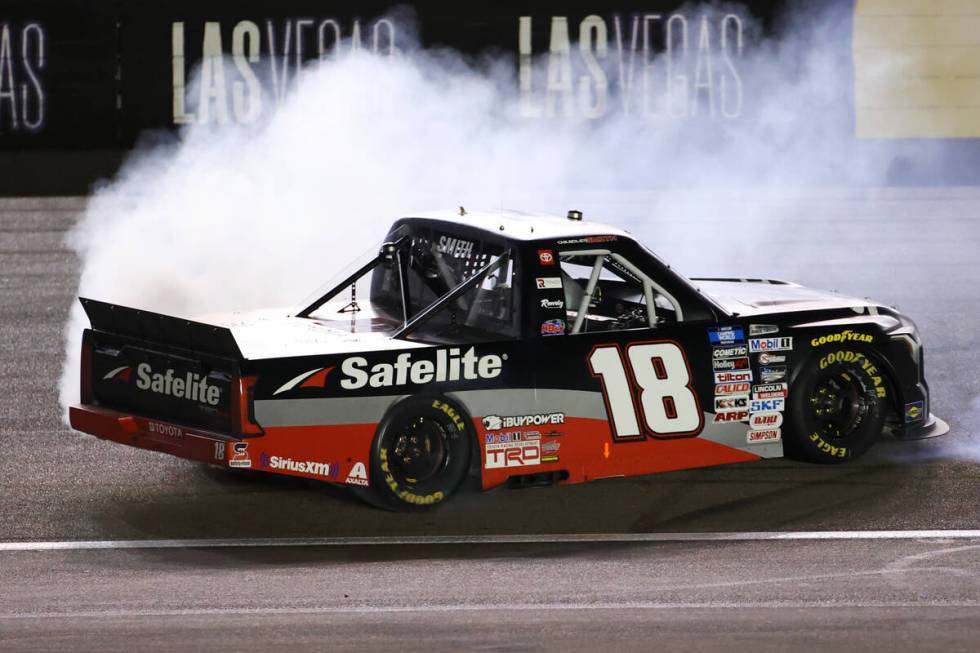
153	434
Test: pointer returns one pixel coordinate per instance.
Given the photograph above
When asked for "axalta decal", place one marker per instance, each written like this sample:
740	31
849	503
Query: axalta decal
495	422
844	336
191	386
449	365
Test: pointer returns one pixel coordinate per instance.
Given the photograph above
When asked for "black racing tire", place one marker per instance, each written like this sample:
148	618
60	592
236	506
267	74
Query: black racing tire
837	406
420	454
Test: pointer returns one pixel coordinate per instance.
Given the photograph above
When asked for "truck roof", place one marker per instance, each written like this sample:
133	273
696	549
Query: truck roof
520	225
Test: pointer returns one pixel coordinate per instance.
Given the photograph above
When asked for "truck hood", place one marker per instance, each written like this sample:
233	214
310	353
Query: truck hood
763	296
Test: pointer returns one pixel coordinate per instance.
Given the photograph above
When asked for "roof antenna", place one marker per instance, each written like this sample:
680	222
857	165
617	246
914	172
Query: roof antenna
462	211
575	215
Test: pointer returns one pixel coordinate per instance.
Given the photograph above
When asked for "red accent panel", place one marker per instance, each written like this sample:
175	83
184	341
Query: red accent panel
584	442
318	380
125	374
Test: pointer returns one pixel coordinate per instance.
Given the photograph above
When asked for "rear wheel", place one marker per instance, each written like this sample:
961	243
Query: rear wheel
838	407
421	453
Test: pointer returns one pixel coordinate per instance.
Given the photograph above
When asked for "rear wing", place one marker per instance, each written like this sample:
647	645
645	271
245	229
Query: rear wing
155	327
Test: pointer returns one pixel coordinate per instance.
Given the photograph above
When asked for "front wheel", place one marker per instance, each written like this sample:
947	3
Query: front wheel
420	454
837	407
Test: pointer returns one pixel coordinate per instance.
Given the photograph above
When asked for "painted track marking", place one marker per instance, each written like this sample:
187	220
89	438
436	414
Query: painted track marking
432	540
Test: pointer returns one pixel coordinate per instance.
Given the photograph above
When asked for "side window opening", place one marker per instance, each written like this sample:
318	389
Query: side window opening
605	292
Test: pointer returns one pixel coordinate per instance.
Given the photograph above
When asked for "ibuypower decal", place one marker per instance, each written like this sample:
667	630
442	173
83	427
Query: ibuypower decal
496	422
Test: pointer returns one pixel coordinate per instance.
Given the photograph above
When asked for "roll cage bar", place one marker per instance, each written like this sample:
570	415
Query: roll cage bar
393	251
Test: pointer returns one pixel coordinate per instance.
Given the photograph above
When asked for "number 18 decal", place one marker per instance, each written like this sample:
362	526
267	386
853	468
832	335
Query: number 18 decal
655	387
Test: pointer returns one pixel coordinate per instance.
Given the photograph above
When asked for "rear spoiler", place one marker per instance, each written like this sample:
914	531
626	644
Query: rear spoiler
155	327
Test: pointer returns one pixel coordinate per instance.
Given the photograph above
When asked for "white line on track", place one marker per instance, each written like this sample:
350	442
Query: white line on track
560	538
482	607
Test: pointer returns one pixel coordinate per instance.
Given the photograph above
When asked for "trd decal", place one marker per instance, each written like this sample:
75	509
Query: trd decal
656	387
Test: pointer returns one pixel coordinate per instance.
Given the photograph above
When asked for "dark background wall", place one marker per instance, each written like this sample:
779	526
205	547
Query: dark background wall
83	83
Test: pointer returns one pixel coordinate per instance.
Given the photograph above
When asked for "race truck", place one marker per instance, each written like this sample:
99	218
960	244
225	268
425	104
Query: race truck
526	349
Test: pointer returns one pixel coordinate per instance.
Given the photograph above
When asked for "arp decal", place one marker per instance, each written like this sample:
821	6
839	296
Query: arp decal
731	416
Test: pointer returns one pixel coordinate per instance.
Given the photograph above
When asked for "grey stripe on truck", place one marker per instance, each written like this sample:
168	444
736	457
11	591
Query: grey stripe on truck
370	410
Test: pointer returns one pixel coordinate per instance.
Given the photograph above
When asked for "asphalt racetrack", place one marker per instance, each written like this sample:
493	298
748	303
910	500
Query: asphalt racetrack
246	562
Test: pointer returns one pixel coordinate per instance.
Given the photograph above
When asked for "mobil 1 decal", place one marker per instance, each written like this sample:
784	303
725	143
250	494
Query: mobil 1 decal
647	389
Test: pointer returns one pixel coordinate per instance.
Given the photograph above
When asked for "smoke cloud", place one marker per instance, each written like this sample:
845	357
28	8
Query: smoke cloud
239	217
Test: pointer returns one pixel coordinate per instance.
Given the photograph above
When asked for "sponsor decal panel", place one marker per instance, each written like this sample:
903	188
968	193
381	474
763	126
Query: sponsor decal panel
550	447
726	335
548	283
783	343
772	373
327	470
730	363
765	358
358	475
449	365
731	402
455	247
766	420
192	386
513	454
552	303
740	376
546	257
170	430
732	351
770	391
731	416
553	328
239	457
914	411
513	436
766	405
762	329
763	435
732	388
844	336
497	423
591	240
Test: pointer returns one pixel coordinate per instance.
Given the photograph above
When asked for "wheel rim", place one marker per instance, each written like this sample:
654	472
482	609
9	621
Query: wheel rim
419	450
839	405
